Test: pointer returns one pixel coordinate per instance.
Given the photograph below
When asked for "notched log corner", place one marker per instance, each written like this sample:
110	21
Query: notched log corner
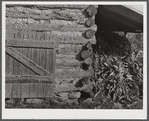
89	34
91	11
90	22
85	54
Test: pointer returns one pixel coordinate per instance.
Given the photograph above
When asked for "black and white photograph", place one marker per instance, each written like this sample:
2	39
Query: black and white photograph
73	57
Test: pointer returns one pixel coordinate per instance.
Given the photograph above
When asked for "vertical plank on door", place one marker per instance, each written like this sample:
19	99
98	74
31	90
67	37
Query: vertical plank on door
38	38
42	54
32	37
25	90
41	90
33	90
9	65
17	65
9	59
49	60
8	90
15	62
16	93
24	37
49	89
42	58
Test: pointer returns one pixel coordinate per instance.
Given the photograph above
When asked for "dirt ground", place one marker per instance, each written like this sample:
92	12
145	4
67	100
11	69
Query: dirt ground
97	103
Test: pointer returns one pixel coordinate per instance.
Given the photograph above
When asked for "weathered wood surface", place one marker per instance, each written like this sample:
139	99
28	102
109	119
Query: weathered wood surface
88	61
61	73
41	90
91	11
63	25
33	90
8	90
9	65
65	48
67	61
27	22
30	39
25	90
50	27
26	61
49	90
55	13
65	89
49	60
72	38
67	64
53	63
28	90
29	44
49	38
85	54
59	15
52	6
89	33
42	57
89	22
26	52
89	45
16	65
28	79
16	92
64	57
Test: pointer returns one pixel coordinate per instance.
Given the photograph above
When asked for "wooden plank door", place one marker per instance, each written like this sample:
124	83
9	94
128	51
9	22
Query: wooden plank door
30	64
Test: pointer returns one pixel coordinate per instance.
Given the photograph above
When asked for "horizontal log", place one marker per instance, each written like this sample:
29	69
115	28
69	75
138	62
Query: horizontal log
72	73
23	22
67	81
38	12
49	27
26	61
28	79
29	43
65	89
64	57
54	14
72	38
58	6
67	64
64	48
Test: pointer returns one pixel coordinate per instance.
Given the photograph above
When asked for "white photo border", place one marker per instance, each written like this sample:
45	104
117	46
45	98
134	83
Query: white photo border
77	113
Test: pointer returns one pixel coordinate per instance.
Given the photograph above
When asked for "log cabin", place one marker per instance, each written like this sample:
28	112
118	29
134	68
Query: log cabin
46	45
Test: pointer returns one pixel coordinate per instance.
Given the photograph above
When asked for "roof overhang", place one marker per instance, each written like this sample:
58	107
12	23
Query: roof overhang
119	18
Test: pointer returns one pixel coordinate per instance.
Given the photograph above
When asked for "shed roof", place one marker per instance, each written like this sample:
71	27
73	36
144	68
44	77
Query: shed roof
119	18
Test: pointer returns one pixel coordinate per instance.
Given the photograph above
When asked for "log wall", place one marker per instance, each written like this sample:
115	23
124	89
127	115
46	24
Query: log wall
72	26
